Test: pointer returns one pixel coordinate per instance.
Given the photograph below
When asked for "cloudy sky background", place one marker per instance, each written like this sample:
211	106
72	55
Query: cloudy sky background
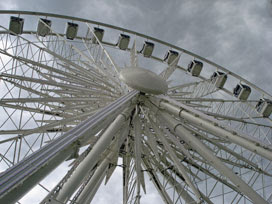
236	34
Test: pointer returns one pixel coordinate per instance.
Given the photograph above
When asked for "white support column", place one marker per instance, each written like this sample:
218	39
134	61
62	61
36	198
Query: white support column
138	152
154	178
213	127
88	163
177	186
126	166
95	188
16	193
206	153
17	180
176	161
88	193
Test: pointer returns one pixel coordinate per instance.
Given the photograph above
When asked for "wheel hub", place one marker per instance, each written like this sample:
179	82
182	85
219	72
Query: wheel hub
144	80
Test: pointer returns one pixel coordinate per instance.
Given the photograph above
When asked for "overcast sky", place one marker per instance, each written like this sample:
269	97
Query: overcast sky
236	34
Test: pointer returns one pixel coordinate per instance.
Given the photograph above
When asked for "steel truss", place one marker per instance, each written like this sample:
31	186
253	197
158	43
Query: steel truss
62	101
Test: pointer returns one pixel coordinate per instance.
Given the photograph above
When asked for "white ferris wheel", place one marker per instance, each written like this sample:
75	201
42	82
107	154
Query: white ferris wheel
97	98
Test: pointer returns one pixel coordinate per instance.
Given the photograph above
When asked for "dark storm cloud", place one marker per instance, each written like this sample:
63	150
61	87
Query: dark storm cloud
67	7
235	34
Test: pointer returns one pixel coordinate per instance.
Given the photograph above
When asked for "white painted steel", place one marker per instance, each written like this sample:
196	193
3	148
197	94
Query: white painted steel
179	165
206	153
89	162
214	127
144	80
13	178
87	194
57	83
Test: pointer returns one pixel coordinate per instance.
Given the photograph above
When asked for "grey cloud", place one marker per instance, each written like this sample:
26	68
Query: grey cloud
235	34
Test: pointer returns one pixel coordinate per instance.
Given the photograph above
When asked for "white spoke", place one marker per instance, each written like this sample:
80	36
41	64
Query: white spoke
69	101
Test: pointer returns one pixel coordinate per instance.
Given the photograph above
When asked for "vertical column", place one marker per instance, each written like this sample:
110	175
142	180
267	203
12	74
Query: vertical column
206	153
91	159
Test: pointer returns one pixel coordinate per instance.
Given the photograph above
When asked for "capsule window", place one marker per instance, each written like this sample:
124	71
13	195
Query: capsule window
147	49
99	33
43	28
123	41
242	91
71	30
170	56
16	25
264	107
195	67
219	79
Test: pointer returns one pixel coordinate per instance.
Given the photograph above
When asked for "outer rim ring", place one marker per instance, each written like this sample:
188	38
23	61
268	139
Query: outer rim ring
141	35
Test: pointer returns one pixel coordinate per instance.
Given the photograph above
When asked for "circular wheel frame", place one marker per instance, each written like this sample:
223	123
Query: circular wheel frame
63	106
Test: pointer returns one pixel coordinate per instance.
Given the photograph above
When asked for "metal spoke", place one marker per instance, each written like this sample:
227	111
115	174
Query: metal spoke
67	101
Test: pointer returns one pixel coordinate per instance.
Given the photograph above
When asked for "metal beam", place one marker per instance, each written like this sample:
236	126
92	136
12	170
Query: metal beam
217	66
206	153
88	163
162	190
19	179
212	125
89	190
176	161
154	178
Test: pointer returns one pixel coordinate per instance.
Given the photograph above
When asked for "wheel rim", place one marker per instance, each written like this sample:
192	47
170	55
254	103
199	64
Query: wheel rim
48	79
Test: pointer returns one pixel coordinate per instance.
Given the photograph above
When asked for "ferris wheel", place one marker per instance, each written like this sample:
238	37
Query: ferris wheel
96	98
